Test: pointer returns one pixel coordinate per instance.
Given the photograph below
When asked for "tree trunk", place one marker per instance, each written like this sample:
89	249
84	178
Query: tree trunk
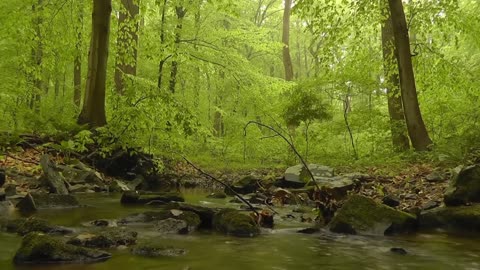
77	63
395	109
416	127
287	60
162	43
180	11
37	57
127	41
93	111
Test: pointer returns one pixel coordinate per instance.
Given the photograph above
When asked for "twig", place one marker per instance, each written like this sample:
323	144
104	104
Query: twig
223	184
290	143
22	160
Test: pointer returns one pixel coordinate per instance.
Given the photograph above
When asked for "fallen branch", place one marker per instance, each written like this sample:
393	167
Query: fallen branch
223	184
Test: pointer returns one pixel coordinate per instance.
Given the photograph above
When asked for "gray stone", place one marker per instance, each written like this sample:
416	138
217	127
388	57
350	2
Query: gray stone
391	201
299	175
172	226
435	176
235	223
35	201
464	187
10	190
52	176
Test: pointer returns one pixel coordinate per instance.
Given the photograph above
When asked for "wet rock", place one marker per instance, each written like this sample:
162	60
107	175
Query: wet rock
464	187
391	200
43	249
25	226
191	219
80	188
205	214
297	176
247	184
118	186
459	218
233	222
399	251
156	250
105	239
101	223
52	176
362	215
135	197
217	195
430	205
172	226
435	176
79	174
3	196
35	201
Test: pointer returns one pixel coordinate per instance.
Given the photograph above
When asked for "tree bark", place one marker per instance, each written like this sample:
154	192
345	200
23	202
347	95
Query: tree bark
93	111
162	43
37	57
180	12
77	62
398	126
416	127
287	59
127	42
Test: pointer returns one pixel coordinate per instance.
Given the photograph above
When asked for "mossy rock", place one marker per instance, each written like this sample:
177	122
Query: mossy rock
135	197
362	215
205	214
156	250
460	218
25	226
191	218
464	187
43	249
245	185
36	201
105	239
233	222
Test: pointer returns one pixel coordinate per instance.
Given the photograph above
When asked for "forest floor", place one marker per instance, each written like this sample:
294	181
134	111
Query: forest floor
415	187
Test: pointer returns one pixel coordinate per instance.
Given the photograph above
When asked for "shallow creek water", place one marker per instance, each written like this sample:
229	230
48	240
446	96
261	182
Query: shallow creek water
277	249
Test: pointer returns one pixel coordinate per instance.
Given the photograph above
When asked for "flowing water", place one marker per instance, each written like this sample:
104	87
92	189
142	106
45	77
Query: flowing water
277	249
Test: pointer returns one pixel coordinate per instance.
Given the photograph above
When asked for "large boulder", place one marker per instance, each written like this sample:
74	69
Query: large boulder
464	187
245	185
136	197
362	215
106	238
43	249
52	176
234	222
459	218
156	250
36	201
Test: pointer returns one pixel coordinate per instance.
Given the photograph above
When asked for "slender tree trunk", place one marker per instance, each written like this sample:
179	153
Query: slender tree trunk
77	62
127	42
162	43
180	12
416	127
37	57
93	111
395	109
287	59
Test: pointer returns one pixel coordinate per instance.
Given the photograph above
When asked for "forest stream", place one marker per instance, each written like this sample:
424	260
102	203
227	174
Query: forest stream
279	248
